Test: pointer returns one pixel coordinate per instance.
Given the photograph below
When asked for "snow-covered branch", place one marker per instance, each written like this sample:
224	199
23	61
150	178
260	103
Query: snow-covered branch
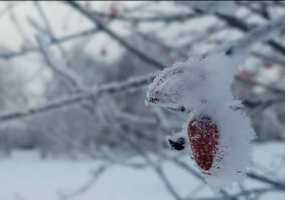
113	87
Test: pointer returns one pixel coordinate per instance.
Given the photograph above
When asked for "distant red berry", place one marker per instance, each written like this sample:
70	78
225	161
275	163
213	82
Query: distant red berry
204	139
246	74
268	65
113	11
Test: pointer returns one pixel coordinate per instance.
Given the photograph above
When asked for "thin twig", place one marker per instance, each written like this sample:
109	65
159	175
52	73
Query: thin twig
86	186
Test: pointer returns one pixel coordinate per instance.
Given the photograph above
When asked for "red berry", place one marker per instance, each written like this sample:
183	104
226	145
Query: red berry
268	65
113	11
204	139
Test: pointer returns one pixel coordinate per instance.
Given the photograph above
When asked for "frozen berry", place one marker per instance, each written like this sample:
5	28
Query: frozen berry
204	139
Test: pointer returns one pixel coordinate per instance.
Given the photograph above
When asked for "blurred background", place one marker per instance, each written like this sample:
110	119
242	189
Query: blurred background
73	118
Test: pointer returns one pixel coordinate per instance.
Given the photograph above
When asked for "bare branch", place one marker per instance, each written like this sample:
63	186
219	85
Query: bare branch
276	184
237	23
134	19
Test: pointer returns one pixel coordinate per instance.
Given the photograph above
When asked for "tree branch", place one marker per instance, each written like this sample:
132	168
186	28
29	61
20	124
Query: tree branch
111	88
237	23
113	35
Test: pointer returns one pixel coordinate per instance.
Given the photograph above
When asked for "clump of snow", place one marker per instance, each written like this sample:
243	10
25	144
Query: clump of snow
203	85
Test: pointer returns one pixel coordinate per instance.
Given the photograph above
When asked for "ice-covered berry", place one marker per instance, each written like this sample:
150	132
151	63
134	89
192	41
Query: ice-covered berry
204	139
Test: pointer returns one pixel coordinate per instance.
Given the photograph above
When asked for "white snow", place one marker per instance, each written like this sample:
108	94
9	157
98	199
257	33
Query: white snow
26	176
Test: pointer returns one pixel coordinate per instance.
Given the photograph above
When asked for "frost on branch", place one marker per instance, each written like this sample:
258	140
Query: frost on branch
218	136
195	82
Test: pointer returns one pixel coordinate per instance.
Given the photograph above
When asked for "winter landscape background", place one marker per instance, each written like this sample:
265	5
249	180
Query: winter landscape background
73	82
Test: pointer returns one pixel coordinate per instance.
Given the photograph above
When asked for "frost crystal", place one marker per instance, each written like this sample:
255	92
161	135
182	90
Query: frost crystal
218	136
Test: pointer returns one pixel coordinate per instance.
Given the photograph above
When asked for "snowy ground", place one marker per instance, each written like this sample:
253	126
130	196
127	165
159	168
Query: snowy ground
25	177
